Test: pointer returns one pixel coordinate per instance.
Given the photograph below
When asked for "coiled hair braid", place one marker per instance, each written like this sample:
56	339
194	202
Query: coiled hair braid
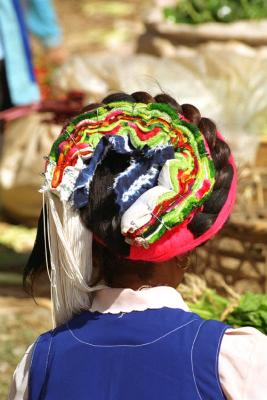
220	153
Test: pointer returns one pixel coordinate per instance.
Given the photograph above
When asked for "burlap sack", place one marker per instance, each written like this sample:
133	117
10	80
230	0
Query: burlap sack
227	82
26	141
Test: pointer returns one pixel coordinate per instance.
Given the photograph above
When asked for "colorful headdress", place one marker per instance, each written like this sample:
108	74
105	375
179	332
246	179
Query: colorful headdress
169	174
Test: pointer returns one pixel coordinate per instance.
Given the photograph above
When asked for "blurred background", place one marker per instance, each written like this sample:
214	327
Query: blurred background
57	57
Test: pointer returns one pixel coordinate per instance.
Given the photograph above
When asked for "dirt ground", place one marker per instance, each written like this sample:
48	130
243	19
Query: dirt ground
21	321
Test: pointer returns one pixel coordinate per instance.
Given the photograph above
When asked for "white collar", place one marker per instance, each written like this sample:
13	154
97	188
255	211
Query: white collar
114	301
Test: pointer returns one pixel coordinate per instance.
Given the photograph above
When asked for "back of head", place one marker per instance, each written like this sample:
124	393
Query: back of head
148	178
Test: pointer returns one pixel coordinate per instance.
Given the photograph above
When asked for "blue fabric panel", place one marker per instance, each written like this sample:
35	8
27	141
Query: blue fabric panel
143	171
81	191
207	351
142	175
39	363
138	355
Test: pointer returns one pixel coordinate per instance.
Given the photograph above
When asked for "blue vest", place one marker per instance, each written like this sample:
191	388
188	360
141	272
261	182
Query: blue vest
164	354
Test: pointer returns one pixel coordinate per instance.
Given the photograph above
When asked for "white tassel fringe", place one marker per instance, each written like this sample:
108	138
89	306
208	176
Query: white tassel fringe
70	245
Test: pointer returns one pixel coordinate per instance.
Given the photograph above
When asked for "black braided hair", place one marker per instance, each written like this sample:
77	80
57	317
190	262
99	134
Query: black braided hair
220	153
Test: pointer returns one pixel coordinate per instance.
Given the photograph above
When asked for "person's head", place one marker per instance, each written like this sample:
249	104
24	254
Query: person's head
150	179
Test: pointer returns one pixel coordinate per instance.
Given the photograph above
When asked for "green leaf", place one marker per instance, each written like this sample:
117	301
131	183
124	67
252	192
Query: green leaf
200	11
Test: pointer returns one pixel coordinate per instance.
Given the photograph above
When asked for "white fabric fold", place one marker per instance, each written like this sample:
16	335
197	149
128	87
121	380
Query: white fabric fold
115	301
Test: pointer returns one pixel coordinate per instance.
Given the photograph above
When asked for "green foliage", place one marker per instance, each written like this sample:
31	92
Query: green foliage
210	305
251	311
199	11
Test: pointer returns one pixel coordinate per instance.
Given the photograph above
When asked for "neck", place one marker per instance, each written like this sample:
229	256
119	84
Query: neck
136	276
120	272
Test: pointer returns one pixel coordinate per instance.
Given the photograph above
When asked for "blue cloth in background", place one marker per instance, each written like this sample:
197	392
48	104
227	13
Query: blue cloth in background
24	38
164	354
42	22
39	17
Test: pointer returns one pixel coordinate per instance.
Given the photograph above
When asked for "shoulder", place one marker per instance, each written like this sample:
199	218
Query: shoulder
19	384
244	343
243	363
